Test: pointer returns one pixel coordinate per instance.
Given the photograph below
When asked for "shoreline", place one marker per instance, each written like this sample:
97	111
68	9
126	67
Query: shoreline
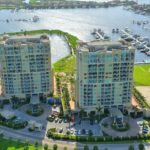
67	5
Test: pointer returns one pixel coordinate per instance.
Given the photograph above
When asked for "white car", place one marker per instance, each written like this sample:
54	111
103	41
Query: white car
71	131
60	130
87	132
79	132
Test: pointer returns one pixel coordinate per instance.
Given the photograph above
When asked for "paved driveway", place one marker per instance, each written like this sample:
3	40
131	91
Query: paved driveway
133	130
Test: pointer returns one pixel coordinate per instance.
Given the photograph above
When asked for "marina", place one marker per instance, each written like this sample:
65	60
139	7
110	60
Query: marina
140	43
78	22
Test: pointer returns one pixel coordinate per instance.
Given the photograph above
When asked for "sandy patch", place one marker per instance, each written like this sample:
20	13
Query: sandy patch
145	91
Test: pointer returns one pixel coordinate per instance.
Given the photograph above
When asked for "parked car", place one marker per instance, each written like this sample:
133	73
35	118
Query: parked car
56	120
86	132
71	131
83	131
60	130
79	132
65	120
60	120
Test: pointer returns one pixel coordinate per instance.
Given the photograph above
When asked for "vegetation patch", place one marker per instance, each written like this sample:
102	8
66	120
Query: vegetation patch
38	113
67	65
13	123
125	128
140	98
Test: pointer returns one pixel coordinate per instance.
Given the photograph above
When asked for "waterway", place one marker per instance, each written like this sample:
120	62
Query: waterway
79	22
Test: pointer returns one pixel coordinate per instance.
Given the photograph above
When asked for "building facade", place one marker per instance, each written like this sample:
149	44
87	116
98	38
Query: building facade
104	75
25	65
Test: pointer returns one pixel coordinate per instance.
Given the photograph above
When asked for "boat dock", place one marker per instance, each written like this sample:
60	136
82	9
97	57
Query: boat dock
136	42
100	35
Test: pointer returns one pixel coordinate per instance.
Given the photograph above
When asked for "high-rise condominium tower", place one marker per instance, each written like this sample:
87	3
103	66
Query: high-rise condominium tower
25	65
104	75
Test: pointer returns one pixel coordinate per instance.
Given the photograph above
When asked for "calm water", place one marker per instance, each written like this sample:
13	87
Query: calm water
58	50
79	22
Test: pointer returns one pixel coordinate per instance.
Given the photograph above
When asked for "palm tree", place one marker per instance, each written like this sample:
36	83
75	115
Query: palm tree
81	113
69	114
99	111
91	117
135	111
14	101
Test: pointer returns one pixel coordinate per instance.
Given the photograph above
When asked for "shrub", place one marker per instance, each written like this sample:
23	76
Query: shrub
105	125
141	146
26	148
65	148
95	147
36	144
131	147
86	147
55	147
45	146
35	114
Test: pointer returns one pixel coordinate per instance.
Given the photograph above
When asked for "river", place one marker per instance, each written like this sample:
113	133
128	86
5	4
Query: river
79	22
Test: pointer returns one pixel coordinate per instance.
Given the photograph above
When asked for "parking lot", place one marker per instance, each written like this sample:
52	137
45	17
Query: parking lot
77	128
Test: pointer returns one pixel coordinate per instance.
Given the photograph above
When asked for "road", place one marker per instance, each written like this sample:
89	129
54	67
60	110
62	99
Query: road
61	144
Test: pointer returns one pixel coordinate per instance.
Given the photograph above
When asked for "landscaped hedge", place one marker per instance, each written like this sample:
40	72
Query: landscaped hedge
13	125
35	114
140	98
71	137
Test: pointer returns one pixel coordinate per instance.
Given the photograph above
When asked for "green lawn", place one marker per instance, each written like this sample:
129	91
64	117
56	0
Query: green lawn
8	144
67	65
142	74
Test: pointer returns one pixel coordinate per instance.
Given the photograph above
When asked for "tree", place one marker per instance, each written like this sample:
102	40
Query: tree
91	117
90	133
45	146
141	146
36	144
131	147
86	147
81	113
26	148
55	147
99	111
135	108
65	148
95	147
15	101
69	114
